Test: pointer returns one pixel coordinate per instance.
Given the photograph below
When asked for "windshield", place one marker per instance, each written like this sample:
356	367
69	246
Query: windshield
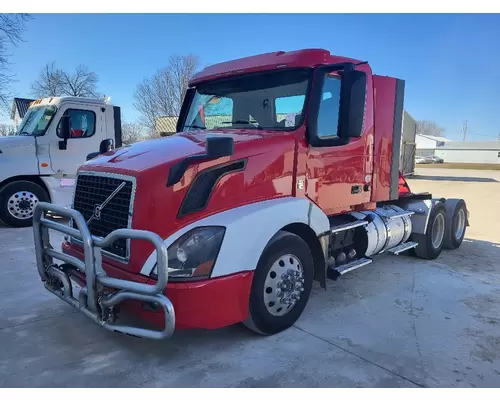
273	100
36	120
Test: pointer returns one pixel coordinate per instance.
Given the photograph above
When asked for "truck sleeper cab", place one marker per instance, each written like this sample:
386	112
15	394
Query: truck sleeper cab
285	170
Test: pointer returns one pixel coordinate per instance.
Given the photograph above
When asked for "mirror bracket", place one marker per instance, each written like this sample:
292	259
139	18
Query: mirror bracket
63	144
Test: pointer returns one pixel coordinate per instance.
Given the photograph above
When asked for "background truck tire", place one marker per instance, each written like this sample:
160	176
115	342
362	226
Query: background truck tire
17	202
286	252
456	220
431	243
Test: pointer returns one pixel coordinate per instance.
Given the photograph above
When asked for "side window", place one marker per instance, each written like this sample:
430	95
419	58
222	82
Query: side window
81	122
289	109
328	116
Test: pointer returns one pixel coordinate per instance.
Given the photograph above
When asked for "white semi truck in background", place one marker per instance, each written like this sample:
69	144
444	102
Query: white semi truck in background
39	162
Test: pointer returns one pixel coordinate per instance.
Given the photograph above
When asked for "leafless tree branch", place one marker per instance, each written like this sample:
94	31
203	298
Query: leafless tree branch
429	128
6	130
53	81
12	27
49	82
132	133
163	93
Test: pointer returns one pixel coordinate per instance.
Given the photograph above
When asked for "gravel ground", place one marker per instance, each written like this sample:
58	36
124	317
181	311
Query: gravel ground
399	322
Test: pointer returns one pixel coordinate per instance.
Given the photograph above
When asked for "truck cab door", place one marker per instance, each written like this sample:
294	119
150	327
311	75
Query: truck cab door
87	130
338	173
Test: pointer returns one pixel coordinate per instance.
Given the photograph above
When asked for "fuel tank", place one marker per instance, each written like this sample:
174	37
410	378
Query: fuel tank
388	228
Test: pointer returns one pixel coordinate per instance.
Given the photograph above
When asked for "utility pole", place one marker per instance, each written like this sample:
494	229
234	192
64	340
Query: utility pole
464	129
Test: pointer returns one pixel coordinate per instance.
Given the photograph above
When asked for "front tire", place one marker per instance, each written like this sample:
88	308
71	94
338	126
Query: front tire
281	285
18	201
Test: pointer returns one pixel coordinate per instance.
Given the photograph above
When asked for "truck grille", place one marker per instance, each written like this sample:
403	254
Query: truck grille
92	191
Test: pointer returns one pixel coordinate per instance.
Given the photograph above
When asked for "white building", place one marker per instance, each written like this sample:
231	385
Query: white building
19	109
470	152
427	144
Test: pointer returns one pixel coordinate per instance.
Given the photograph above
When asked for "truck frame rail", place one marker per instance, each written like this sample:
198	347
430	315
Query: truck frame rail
101	292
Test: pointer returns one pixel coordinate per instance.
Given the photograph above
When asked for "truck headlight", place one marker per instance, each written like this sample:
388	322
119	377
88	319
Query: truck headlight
193	255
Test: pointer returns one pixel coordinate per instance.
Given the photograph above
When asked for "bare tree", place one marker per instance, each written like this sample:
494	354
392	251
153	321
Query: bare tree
53	81
12	27
6	130
81	83
429	128
49	82
163	93
132	133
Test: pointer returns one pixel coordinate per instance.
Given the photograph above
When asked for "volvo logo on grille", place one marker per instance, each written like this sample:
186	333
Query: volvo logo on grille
97	211
98	207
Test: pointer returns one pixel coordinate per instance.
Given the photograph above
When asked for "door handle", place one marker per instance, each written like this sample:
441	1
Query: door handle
356	189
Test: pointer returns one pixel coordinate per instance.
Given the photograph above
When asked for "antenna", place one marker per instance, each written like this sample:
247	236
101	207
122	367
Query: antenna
464	129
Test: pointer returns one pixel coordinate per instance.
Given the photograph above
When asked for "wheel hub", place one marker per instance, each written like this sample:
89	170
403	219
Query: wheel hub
438	228
283	285
21	205
460	227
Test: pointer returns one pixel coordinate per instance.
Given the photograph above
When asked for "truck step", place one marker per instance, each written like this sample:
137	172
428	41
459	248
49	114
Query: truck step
349	225
403	247
335	272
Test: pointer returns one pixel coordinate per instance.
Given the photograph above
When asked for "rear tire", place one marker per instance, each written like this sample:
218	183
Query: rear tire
268	312
456	220
431	243
17	202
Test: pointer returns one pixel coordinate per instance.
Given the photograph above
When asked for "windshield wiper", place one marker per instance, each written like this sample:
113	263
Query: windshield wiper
194	126
242	122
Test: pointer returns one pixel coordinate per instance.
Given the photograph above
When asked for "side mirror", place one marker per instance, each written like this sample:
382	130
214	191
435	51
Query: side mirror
65	128
352	103
105	146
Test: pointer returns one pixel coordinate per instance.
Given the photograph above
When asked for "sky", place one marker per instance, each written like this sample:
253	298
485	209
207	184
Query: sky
450	63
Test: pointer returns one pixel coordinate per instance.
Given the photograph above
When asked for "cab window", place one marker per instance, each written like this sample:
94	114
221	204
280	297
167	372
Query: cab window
289	109
328	116
81	122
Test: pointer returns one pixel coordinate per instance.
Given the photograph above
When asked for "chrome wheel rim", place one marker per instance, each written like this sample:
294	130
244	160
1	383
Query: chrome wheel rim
438	231
284	285
460	226
21	205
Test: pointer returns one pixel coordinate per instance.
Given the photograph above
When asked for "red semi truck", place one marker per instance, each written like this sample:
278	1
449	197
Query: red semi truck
284	171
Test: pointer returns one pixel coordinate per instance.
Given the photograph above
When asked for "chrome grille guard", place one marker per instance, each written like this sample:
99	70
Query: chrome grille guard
94	300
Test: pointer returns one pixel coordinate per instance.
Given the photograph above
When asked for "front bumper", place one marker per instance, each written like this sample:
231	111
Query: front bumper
101	293
204	304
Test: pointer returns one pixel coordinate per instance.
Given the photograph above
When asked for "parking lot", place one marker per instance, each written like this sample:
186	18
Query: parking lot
398	322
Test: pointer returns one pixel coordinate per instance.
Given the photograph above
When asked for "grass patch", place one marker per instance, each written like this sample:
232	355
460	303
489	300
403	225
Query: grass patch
491	167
